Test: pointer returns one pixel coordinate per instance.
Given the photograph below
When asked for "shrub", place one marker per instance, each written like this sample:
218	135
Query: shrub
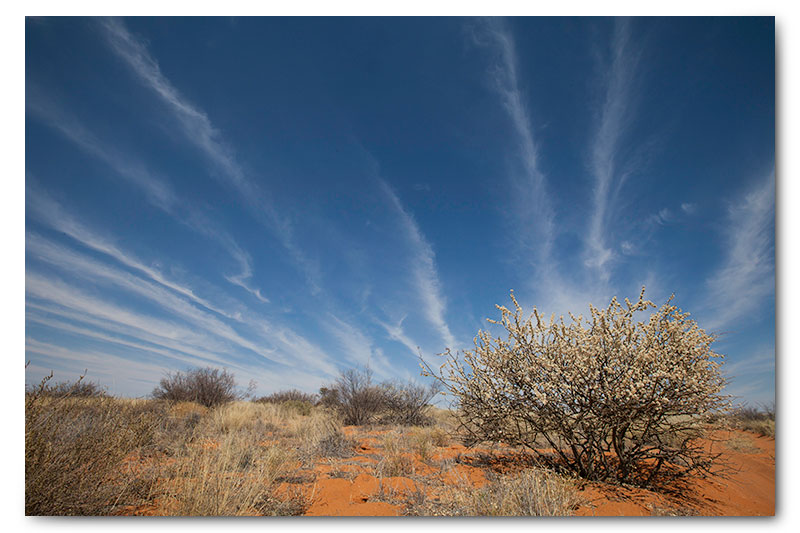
78	389
293	395
206	386
302	402
354	396
408	403
603	394
75	450
760	421
360	402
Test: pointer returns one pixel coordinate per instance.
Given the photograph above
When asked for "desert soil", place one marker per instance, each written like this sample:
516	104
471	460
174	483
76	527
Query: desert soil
350	487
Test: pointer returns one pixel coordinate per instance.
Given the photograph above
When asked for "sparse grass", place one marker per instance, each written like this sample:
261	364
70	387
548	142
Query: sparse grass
759	421
74	452
741	444
532	493
396	457
421	442
232	478
334	444
657	510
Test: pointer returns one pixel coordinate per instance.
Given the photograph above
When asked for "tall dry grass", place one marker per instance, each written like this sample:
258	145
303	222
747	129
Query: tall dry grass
233	476
531	493
74	452
98	455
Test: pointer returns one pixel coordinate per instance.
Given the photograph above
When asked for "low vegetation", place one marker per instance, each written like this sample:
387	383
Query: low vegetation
359	401
760	421
196	449
206	386
534	492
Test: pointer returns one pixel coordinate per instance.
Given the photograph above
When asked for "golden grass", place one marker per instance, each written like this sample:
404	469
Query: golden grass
531	493
230	477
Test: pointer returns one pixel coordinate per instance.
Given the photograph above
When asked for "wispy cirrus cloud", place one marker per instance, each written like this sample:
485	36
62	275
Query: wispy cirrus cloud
48	211
198	129
242	279
532	206
156	188
608	169
746	277
425	273
533	215
100	274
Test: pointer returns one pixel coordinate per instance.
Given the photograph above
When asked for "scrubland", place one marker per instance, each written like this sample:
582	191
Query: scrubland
98	455
608	415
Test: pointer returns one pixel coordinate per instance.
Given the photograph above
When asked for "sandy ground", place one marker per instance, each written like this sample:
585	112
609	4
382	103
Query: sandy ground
349	486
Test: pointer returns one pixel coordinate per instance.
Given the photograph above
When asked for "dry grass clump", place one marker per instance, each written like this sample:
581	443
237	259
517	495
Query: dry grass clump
334	443
759	421
396	458
532	493
230	477
741	444
74	452
658	510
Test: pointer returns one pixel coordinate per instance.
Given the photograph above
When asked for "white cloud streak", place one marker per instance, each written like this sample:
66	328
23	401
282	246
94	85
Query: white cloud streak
746	278
198	129
609	174
425	275
42	207
157	190
532	206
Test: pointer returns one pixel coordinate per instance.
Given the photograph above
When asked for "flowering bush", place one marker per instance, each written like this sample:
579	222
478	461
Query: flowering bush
609	398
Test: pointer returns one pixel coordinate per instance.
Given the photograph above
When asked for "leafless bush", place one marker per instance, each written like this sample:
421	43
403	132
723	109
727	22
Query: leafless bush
355	397
360	401
408	403
206	386
293	395
77	389
602	394
75	449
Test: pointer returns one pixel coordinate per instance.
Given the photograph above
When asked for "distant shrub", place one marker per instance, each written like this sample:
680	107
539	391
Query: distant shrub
206	386
288	395
77	389
756	420
301	402
356	398
360	401
408	403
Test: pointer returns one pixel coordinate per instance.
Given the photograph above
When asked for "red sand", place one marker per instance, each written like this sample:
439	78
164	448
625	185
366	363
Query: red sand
746	489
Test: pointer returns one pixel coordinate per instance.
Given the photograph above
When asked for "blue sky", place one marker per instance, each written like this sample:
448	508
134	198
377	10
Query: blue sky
291	197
